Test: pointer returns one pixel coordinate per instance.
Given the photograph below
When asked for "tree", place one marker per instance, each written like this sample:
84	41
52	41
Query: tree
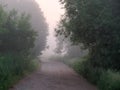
64	46
16	33
16	41
96	24
37	20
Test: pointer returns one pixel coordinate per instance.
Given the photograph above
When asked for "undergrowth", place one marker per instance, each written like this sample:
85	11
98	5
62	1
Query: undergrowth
13	68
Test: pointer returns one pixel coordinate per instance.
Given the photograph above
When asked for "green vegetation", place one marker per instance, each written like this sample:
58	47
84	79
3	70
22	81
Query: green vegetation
104	79
109	80
86	69
96	25
12	68
16	41
37	20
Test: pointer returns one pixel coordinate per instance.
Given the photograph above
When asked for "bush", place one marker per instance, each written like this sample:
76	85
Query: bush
78	66
106	80
12	68
16	42
85	68
109	81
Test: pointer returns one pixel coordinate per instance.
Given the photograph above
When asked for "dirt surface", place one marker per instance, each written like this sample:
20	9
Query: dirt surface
54	76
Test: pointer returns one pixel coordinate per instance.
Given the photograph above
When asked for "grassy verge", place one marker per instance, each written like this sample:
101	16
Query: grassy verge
104	79
13	68
109	80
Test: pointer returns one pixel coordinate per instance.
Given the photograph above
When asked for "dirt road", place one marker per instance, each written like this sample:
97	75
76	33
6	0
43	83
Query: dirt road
54	76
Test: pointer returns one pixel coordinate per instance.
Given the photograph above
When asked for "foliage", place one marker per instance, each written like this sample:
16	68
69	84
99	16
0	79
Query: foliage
16	34
85	68
105	80
96	24
12	68
71	62
37	21
109	80
16	41
64	46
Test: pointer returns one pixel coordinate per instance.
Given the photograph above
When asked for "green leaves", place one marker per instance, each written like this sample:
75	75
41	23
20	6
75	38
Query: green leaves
16	41
96	24
16	33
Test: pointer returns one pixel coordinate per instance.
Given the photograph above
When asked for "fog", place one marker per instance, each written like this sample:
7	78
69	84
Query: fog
43	46
45	15
52	10
37	20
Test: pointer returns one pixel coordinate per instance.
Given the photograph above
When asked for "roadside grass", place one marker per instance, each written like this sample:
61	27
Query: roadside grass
13	68
103	79
109	80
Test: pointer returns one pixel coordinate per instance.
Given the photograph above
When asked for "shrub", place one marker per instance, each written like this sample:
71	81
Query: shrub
16	42
88	71
109	80
106	80
12	68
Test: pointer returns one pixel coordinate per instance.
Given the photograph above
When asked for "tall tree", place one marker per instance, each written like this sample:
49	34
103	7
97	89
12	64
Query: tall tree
37	20
16	33
69	50
96	24
17	38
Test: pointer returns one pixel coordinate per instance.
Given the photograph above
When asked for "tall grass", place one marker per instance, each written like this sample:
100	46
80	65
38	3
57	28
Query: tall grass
12	68
104	79
109	80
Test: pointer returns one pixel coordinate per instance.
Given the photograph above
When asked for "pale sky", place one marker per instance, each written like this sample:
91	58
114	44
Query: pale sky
52	12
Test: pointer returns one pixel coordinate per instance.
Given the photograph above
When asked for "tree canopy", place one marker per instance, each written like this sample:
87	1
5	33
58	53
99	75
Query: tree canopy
17	39
96	24
64	46
37	20
16	33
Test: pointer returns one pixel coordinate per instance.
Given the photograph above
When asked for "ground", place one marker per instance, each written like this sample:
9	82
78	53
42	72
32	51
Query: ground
54	75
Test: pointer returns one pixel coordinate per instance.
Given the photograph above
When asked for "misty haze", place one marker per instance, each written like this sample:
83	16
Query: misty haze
59	45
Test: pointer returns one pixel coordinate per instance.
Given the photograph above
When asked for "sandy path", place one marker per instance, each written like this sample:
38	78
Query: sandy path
54	76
